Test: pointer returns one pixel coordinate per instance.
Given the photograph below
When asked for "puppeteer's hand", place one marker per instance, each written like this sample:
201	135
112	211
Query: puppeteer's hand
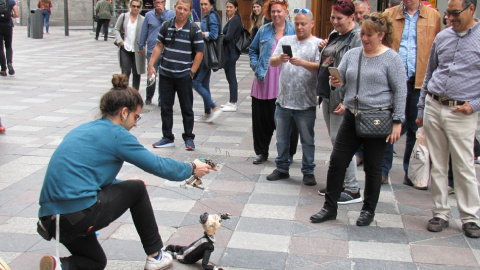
202	168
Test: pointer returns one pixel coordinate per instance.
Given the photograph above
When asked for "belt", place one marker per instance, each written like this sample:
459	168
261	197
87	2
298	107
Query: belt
446	101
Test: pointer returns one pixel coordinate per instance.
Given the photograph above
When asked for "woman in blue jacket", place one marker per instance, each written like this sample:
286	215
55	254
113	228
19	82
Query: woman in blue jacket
210	26
81	188
265	84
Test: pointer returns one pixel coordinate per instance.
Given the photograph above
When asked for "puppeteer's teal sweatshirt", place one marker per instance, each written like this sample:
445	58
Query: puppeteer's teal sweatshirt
89	158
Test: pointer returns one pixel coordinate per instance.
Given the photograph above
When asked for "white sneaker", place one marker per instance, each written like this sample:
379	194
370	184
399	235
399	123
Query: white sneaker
477	160
50	263
213	115
164	263
229	107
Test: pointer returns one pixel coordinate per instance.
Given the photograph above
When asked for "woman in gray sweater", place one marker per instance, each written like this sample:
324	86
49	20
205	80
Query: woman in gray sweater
382	85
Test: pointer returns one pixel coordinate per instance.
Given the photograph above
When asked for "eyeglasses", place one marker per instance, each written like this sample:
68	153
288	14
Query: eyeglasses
133	6
137	117
159	2
303	10
455	13
373	19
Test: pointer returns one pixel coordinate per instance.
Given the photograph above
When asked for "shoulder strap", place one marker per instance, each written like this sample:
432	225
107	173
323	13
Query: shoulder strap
193	31
358	80
165	26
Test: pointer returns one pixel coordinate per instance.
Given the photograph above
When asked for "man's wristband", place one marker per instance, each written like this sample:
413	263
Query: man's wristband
194	168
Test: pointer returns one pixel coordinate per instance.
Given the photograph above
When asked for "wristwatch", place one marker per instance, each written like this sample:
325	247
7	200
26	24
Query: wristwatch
193	74
194	168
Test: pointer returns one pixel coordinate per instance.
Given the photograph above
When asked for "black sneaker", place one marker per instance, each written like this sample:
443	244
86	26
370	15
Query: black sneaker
148	101
309	180
277	175
3	73
347	197
322	191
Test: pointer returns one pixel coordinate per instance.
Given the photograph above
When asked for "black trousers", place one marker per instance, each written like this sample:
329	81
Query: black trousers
263	125
346	145
128	66
102	23
6	33
183	88
77	230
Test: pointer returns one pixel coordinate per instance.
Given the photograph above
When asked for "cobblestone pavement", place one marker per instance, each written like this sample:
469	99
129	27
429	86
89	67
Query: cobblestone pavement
58	85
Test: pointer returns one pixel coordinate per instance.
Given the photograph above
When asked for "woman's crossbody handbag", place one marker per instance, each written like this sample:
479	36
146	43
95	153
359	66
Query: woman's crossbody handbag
371	123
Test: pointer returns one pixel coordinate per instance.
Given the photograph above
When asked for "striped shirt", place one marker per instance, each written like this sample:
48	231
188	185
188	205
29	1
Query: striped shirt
452	70
177	53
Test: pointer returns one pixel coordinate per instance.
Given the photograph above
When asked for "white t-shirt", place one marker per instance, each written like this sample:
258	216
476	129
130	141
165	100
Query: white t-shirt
129	42
298	87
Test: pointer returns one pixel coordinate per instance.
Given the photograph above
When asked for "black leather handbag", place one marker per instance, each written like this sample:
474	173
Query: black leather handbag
372	123
243	43
214	54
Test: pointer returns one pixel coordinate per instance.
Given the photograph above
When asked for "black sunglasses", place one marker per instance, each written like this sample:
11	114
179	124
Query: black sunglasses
373	19
455	13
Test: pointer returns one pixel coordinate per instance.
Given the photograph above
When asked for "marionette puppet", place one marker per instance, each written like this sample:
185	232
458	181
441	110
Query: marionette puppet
203	247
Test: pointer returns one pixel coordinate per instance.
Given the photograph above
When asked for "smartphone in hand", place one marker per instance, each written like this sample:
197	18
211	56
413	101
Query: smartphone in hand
287	49
335	73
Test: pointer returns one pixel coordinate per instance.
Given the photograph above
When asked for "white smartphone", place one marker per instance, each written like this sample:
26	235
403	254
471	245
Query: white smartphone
335	73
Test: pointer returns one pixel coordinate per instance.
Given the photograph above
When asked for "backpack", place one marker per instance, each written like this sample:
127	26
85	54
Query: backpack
5	11
193	30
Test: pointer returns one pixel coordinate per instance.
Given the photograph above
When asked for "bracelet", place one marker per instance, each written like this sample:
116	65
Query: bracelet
194	168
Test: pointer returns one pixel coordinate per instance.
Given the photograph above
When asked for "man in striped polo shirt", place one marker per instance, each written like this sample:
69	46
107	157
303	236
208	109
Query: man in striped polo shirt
181	58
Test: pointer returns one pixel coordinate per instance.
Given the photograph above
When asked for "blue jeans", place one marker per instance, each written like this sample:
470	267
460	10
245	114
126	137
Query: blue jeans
305	121
202	85
231	74
150	91
409	126
46	18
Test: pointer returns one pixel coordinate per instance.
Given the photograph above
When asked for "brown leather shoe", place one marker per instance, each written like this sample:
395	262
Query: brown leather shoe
471	230
437	224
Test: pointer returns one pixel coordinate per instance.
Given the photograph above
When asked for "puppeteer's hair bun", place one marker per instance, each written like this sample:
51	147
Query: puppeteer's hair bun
120	81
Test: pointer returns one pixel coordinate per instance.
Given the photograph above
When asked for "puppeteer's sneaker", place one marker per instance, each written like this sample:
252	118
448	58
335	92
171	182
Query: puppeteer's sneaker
154	264
50	263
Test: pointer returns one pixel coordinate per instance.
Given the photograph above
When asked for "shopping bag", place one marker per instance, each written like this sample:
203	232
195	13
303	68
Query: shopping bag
419	167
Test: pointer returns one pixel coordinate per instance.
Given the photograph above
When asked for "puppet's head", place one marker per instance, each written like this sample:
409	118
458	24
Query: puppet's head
211	223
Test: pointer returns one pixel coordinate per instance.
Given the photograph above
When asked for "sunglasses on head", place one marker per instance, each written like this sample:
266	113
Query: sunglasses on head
373	19
303	10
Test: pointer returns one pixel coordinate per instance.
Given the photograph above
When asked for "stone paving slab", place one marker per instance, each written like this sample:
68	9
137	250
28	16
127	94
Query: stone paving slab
58	85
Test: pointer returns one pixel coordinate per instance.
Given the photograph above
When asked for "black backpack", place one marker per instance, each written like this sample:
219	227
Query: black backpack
193	30
5	11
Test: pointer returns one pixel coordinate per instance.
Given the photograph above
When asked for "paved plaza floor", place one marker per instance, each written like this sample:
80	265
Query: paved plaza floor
58	84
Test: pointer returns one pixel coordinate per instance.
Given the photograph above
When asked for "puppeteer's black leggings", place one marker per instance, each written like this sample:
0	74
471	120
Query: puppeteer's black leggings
77	230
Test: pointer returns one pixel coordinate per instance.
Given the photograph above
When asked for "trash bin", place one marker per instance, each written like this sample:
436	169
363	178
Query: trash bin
36	23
